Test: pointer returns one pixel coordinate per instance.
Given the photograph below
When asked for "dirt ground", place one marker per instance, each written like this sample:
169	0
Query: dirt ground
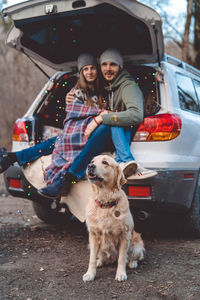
46	262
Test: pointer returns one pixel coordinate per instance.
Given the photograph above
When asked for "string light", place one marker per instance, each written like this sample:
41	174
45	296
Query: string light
142	80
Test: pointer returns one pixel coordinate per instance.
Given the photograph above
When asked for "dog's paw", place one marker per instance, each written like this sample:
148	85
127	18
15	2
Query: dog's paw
133	264
99	263
88	276
121	277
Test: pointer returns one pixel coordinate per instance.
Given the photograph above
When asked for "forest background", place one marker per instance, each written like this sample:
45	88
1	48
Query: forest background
21	81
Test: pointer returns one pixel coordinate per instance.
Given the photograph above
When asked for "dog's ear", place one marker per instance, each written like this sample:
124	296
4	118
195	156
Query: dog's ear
120	177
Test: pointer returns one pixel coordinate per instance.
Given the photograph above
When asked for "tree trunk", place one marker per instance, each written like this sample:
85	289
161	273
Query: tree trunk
185	43
197	33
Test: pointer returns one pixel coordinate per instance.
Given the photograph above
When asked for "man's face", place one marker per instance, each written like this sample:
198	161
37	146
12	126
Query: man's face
109	70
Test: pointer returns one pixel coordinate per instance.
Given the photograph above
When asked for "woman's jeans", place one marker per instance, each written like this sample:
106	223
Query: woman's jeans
99	141
44	148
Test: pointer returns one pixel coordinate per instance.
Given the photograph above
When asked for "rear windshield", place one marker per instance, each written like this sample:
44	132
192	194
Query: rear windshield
63	37
51	113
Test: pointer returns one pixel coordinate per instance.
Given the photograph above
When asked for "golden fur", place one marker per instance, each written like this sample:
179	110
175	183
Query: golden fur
111	230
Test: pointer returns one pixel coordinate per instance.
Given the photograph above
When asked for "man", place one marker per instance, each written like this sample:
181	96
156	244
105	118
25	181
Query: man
127	107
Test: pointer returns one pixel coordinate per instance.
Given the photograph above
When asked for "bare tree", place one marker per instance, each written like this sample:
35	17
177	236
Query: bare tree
190	50
185	41
197	33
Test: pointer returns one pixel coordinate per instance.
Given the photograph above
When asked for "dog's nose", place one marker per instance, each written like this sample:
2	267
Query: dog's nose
91	166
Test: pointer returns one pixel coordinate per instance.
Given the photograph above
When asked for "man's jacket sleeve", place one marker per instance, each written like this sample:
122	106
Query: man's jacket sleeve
134	102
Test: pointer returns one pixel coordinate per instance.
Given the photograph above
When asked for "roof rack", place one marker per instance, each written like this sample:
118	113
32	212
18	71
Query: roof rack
181	64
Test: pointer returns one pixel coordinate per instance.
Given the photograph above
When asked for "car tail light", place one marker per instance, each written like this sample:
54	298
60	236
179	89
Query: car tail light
162	127
139	191
20	133
15	183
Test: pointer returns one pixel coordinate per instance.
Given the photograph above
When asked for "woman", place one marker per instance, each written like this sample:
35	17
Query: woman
80	122
79	114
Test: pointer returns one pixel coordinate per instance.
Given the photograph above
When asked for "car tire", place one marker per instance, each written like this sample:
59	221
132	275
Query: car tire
47	214
192	221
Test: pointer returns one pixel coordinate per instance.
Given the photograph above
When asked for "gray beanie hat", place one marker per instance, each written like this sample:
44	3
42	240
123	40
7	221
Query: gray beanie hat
85	60
112	55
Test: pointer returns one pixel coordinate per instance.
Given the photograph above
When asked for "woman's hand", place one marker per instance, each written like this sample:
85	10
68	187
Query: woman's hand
93	125
104	112
70	96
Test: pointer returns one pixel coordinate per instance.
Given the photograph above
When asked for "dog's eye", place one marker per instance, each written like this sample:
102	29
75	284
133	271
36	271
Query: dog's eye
105	162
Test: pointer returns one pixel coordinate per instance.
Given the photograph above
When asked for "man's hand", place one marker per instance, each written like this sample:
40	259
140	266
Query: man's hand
70	96
93	125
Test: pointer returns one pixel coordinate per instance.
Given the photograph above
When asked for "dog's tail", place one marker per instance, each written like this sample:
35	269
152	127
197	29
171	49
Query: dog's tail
137	250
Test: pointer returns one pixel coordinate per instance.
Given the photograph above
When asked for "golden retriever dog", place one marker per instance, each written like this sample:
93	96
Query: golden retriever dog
109	220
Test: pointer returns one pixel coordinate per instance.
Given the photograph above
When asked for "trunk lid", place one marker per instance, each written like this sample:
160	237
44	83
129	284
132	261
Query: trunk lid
57	32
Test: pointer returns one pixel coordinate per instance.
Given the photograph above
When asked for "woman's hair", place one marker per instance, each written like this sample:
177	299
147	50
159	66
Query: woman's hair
82	83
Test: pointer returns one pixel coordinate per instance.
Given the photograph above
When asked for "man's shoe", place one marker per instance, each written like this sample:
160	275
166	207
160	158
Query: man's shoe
5	160
58	187
128	167
142	173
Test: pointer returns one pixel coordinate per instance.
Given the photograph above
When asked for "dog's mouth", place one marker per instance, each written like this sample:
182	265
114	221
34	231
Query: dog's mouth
94	177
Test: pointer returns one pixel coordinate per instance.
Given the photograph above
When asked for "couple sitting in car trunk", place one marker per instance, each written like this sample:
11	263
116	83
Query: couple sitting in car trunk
91	125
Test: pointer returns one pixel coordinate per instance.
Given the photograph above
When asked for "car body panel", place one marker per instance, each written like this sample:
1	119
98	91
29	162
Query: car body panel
183	151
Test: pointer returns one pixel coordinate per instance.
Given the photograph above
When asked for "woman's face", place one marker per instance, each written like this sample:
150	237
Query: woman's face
90	73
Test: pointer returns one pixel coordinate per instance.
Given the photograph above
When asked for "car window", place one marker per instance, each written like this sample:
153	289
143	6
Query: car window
186	92
197	87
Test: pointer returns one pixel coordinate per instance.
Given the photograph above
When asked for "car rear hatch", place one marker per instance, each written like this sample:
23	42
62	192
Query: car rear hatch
56	32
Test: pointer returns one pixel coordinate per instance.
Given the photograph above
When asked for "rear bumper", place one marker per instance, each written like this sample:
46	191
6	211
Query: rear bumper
171	190
26	190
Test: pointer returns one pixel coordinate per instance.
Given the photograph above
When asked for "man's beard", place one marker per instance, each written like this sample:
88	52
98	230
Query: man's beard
110	80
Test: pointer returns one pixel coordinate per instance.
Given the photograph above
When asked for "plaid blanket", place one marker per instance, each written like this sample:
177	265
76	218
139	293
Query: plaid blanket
72	140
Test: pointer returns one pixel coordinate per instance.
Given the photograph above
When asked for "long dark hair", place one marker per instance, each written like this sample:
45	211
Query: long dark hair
83	84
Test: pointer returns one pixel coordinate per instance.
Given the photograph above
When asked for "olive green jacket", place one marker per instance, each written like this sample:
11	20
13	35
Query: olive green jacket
128	102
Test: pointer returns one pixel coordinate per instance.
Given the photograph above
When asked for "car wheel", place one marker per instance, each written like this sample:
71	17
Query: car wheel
192	222
50	214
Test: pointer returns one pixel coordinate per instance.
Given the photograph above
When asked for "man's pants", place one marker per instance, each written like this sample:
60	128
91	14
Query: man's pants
121	138
99	141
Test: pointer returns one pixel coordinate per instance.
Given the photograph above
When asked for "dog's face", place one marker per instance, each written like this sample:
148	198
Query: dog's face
104	170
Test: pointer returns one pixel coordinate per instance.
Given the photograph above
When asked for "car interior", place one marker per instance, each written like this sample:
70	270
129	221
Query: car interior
51	113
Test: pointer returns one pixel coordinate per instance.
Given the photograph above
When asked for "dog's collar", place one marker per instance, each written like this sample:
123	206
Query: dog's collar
107	204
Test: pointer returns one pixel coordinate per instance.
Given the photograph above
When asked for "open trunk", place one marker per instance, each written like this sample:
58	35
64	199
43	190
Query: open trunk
57	32
51	112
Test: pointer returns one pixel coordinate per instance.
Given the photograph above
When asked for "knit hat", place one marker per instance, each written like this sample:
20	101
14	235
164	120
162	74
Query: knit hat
112	55
85	60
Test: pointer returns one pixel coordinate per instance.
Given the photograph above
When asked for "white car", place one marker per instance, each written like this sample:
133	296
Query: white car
55	33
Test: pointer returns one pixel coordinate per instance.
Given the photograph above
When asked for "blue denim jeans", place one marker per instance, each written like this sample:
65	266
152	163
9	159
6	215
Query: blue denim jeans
121	138
44	148
99	141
